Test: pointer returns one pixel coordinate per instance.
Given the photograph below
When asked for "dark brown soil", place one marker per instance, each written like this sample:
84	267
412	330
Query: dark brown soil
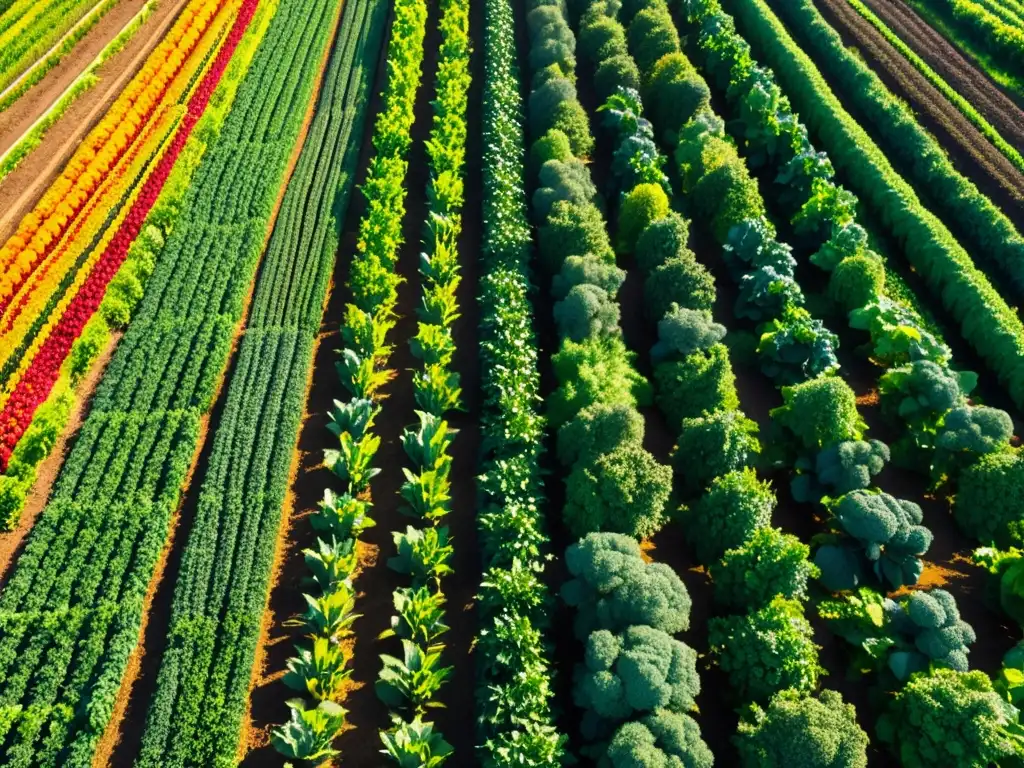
23	187
971	153
970	81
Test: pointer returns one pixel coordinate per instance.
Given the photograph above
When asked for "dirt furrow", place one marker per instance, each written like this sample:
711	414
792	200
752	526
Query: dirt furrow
969	150
942	56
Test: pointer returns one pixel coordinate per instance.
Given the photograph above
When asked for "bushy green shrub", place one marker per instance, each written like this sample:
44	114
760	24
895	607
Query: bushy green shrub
987	505
663	738
681	332
636	672
681	280
573	230
601	39
820	412
545	101
586	311
562	180
597	370
643	204
929	633
555	49
970	431
553	145
674	93
652	34
713	445
624	491
769	563
662	240
735	505
725	193
87	348
696	385
766	651
856	281
944	718
598	429
587	270
798	731
571	119
614	73
613	588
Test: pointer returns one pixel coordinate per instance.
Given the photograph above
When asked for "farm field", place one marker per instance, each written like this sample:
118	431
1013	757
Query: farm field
611	383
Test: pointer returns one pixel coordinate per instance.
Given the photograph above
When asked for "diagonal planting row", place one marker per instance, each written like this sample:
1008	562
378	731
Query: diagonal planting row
72	608
203	684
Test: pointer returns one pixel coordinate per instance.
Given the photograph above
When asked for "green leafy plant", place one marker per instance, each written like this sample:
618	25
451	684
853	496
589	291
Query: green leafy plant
332	563
415	744
423	554
318	671
413	680
342	516
769	563
735	505
419	616
309	732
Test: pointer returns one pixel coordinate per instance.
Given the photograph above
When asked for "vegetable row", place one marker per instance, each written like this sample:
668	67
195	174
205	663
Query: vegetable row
70	629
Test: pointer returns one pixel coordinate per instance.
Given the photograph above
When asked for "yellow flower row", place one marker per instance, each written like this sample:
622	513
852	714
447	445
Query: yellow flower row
100	152
31	298
162	131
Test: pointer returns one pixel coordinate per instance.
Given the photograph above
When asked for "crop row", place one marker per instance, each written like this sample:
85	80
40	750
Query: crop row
204	680
933	77
990	29
125	290
834	460
516	724
135	449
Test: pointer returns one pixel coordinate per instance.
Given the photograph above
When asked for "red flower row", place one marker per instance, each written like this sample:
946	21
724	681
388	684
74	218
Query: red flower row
42	374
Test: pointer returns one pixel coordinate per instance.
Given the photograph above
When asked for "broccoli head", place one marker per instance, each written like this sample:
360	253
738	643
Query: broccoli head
766	651
945	718
613	587
638	671
889	540
802	732
975	430
662	738
770	563
987	503
922	391
585	312
682	331
735	506
598	429
930	631
850	465
820	412
709	446
623	491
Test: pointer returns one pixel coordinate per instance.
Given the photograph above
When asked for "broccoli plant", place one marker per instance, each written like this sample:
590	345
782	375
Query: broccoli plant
769	563
929	631
819	412
922	392
596	430
797	731
613	587
586	311
987	503
713	445
587	270
968	432
682	331
946	718
662	738
1007	569
735	506
876	534
751	245
766	651
796	347
766	293
839	468
633	673
623	491
597	370
846	241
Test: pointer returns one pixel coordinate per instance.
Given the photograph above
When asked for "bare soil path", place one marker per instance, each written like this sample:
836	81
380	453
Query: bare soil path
19	117
23	187
970	81
970	151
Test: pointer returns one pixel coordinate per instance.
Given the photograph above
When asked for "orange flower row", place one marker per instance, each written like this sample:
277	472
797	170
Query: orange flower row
40	230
